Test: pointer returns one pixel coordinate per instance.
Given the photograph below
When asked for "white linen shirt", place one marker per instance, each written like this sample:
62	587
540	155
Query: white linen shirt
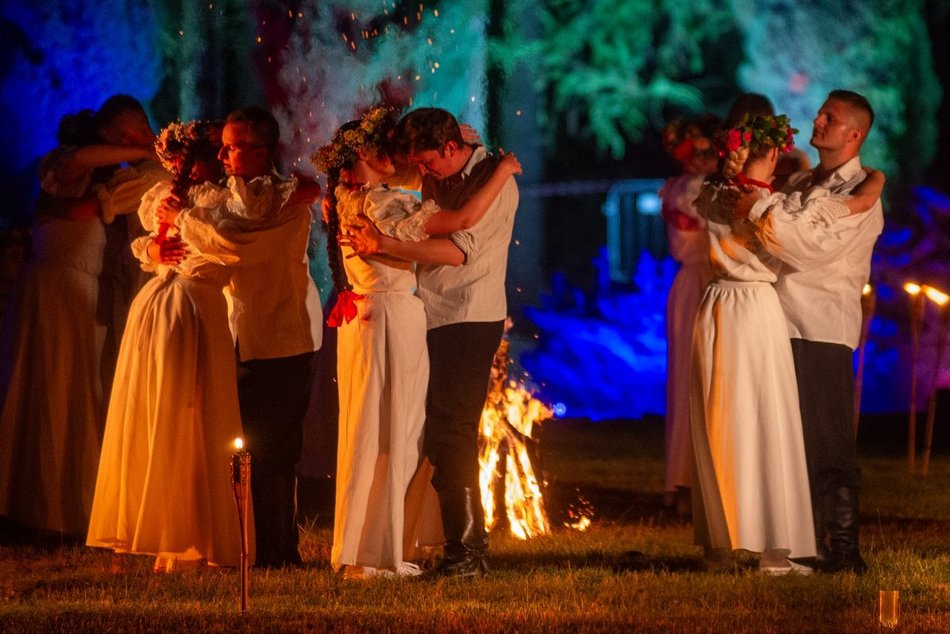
826	263
273	303
474	291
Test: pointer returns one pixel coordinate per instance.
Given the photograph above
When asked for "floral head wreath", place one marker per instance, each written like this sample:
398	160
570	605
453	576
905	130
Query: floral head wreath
186	141
685	140
374	127
754	133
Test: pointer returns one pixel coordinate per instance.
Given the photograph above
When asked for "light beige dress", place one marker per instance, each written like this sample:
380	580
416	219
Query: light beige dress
164	484
52	409
746	425
383	370
689	247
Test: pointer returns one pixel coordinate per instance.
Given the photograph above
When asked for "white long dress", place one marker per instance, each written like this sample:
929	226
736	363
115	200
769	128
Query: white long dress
52	415
383	370
164	485
690	247
746	424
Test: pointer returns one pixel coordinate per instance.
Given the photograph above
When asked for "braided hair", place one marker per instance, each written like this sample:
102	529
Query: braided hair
332	222
752	138
367	133
190	142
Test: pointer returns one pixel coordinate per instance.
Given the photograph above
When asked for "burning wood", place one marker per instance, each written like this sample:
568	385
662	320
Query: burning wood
505	462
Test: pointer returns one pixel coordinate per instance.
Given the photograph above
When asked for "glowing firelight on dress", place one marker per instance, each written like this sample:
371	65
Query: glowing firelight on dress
507	422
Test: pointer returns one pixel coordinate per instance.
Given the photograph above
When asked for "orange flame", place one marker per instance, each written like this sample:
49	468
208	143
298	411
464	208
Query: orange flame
508	418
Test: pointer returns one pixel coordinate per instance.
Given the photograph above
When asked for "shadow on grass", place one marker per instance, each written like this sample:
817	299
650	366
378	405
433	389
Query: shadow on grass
632	561
14	534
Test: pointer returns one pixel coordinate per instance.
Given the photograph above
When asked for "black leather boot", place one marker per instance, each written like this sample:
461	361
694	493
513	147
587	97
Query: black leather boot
845	552
822	513
466	542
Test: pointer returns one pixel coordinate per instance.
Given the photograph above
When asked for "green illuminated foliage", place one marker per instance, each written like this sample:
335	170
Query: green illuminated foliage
610	67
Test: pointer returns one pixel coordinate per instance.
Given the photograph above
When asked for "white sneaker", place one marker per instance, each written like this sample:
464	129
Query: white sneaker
790	567
407	569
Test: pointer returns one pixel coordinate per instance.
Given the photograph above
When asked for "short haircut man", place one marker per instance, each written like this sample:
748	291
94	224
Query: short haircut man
821	297
427	129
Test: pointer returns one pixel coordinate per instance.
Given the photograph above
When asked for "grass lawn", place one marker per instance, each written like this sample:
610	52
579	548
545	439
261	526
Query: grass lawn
634	569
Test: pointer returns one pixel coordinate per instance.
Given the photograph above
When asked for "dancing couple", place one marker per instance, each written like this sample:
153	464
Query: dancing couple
416	342
176	404
753	396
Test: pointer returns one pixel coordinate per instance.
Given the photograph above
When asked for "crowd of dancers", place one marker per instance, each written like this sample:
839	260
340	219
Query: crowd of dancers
169	309
129	453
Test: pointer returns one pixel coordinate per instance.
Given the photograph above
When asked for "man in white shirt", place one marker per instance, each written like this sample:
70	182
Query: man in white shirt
465	313
465	310
276	319
821	295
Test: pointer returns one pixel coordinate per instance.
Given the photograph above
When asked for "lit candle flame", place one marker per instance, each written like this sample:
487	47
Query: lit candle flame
868	289
239	444
912	288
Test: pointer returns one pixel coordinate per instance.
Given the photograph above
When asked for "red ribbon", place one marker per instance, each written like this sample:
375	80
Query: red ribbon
344	310
679	220
742	179
163	228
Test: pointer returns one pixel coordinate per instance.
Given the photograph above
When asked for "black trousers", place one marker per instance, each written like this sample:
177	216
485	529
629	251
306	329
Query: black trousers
460	360
825	375
273	396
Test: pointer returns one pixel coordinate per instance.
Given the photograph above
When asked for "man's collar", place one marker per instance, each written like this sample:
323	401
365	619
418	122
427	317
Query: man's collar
478	154
843	173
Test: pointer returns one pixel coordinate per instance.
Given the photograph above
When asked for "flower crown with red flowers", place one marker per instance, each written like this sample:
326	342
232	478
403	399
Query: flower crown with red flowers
758	132
688	139
753	133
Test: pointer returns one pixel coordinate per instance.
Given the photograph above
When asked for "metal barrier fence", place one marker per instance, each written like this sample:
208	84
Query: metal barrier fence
634	225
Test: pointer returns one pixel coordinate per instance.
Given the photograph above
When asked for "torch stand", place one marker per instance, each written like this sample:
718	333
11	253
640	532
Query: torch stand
916	324
241	481
932	403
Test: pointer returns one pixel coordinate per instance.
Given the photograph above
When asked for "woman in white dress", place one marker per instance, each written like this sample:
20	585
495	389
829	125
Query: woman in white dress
746	425
52	415
381	352
690	143
163	486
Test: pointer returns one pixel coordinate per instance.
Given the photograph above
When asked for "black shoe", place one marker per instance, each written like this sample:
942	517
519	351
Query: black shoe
844	552
466	542
852	562
469	565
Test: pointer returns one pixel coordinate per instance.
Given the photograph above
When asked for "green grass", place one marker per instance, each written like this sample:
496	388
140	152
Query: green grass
633	570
